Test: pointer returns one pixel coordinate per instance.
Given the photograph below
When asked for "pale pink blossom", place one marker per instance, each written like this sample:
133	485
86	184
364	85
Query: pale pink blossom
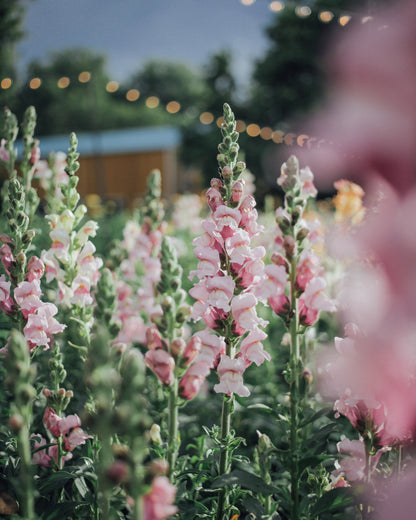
89	229
72	434
210	238
353	467
162	364
27	296
279	304
6	301
35	269
306	179
133	330
153	338
7	258
60	244
309	267
40	457
212	346
238	246
158	503
51	421
81	287
251	348
209	262
274	283
214	198
192	349
220	291
193	379
87	263
237	189
315	298
227	220
41	326
230	372
52	269
243	307
249	216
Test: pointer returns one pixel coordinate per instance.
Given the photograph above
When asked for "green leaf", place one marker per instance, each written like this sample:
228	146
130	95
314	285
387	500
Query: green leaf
314	416
244	479
333	501
254	507
310	462
260	406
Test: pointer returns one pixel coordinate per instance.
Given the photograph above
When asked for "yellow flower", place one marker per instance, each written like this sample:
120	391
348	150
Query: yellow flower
348	202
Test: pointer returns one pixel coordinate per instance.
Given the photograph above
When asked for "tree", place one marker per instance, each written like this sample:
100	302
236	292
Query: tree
169	81
11	21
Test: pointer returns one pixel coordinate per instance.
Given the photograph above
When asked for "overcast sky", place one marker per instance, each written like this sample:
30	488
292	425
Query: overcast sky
131	32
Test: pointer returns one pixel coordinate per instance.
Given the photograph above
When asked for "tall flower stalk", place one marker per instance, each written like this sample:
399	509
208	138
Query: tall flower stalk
294	288
229	271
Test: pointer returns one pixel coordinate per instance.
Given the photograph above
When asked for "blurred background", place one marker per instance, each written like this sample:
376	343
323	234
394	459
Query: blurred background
143	82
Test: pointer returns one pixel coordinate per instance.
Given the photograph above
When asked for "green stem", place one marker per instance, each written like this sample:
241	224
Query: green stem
294	394
138	508
227	406
173	444
26	477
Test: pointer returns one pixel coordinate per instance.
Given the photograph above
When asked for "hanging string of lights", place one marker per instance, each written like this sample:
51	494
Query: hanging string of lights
207	118
173	107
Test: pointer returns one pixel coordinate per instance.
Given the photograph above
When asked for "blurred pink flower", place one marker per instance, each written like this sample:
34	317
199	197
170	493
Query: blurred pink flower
158	503
4	154
162	364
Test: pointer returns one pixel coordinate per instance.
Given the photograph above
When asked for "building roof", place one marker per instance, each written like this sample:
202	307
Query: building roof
130	140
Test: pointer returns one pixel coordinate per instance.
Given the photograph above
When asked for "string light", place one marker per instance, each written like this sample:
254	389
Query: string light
112	86
132	94
206	118
84	76
303	11
220	121
248	2
344	19
326	16
276	6
35	83
240	126
152	102
266	133
6	83
63	82
173	107
253	130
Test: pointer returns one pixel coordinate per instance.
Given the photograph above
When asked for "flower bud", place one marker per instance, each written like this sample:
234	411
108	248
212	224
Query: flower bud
155	434
118	472
177	347
227	173
16	423
158	468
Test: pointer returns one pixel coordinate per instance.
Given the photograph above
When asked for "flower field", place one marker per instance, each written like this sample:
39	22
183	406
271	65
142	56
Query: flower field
214	361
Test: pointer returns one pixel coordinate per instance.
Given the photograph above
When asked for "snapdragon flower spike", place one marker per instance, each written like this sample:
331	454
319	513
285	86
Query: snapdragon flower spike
229	272
70	261
295	238
66	427
140	267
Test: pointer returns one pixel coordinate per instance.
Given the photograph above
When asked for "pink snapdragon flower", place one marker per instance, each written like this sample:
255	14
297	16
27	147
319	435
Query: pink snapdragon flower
35	269
41	457
7	258
227	220
158	503
162	364
314	300
230	372
209	262
68	427
193	379
243	307
81	287
41	326
212	346
6	301
252	350
27	296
